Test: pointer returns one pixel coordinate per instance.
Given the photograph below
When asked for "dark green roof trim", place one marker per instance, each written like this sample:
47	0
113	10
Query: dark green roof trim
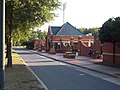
55	30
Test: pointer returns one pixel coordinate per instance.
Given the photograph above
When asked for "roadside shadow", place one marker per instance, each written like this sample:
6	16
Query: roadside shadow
109	64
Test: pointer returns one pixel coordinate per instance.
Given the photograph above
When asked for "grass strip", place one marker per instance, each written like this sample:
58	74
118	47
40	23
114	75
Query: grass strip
19	77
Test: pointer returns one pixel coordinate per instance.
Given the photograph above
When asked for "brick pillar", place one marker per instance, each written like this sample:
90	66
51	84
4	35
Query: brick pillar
79	46
71	43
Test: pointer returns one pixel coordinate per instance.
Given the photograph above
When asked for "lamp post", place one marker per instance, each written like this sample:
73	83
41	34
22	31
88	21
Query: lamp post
64	7
2	43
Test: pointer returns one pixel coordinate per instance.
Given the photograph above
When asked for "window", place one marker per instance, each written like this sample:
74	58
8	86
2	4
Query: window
58	46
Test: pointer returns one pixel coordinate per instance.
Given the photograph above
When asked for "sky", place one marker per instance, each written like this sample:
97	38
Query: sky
86	13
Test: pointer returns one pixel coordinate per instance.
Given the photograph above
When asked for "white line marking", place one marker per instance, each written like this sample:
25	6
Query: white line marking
81	74
62	63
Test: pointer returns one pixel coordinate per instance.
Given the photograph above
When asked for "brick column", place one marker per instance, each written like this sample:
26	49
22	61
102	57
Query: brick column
71	43
79	46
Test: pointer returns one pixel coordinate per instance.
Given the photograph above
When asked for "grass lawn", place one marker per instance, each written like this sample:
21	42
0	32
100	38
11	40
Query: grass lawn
19	77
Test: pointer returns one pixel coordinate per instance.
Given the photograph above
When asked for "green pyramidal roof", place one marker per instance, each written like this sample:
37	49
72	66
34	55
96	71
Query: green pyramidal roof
66	29
55	29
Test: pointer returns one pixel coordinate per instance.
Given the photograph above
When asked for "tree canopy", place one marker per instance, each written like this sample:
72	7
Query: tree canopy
90	30
110	31
23	15
38	35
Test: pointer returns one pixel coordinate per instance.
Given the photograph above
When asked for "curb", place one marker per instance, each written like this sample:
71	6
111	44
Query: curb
77	65
44	86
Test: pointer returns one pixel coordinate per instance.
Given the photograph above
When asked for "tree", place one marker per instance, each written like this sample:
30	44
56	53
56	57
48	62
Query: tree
90	30
34	35
41	34
29	44
44	34
22	15
110	32
38	35
19	37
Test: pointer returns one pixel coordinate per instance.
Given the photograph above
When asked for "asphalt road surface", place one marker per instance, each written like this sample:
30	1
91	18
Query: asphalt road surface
56	76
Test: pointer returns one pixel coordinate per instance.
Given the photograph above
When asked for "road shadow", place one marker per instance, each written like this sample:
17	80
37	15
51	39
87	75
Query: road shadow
37	61
109	64
25	53
17	48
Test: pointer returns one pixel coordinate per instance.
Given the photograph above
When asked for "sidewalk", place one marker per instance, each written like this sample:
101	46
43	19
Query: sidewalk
84	62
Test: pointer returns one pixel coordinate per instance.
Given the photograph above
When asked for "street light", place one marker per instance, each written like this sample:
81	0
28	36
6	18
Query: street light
2	43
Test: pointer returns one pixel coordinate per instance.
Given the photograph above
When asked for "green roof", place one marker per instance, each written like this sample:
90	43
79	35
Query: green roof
66	29
55	30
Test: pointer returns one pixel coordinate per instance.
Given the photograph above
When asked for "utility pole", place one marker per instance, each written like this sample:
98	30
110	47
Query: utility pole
64	7
2	42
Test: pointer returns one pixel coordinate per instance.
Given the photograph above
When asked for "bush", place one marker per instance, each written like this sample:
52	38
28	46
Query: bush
29	44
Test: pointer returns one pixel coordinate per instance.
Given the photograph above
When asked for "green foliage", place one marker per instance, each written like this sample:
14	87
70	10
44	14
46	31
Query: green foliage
22	15
29	44
38	35
41	35
44	34
110	31
34	35
89	30
29	13
19	37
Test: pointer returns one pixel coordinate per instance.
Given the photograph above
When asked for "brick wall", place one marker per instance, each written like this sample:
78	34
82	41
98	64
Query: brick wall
55	39
83	49
96	46
38	43
63	39
108	53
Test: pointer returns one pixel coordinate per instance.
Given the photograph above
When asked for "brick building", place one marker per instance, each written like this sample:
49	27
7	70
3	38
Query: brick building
64	38
39	44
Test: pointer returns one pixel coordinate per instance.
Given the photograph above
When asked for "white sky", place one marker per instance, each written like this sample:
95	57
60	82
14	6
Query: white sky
86	13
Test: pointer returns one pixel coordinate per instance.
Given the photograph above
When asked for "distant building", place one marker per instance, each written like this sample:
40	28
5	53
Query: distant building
64	38
39	44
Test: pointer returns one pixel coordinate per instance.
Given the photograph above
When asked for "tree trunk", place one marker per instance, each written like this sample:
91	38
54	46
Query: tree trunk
9	46
9	63
114	44
6	46
10	28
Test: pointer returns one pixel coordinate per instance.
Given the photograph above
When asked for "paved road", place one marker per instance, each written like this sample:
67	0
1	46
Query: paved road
57	76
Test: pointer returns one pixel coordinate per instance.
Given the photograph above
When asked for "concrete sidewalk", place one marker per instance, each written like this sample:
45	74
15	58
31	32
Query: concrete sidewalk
84	62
